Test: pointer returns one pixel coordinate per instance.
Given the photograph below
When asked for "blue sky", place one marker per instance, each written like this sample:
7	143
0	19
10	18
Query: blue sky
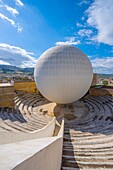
29	27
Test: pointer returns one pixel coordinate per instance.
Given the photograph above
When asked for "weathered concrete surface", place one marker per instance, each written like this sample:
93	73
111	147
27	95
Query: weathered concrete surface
101	91
14	154
6	95
11	137
70	111
35	154
47	108
94	81
29	87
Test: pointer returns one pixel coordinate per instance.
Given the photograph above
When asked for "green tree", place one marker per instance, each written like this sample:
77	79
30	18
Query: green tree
105	82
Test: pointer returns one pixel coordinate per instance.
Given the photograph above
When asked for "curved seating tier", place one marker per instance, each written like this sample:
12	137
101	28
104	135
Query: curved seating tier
23	118
88	140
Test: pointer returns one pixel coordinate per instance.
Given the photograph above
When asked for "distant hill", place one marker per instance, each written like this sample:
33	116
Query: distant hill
14	69
30	70
8	67
105	75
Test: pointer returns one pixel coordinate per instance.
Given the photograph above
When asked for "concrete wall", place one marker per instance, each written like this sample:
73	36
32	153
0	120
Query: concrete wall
6	95
29	87
48	158
11	137
101	91
94	81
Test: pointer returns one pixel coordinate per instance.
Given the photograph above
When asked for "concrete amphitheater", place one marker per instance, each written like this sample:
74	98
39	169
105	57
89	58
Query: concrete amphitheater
38	134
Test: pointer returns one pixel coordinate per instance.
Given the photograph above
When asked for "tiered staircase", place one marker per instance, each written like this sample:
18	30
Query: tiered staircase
23	118
88	141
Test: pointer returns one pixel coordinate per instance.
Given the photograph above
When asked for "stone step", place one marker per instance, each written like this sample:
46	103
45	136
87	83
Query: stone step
88	158
88	152
88	139
102	144
85	168
69	168
71	137
83	164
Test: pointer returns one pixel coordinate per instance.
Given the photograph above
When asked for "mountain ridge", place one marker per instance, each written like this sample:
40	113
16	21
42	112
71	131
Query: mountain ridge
10	68
15	68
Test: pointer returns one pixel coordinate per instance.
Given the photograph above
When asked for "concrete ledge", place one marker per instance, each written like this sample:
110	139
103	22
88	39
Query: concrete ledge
61	131
12	137
101	91
41	154
35	154
26	86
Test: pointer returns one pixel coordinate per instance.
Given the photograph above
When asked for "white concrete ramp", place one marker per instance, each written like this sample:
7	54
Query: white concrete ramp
38	154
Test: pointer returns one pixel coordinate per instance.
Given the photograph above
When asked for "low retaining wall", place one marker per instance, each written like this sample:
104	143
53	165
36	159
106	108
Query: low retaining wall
29	87
36	154
12	137
101	91
6	95
48	158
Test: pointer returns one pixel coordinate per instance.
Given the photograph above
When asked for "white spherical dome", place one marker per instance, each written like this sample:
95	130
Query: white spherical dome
63	74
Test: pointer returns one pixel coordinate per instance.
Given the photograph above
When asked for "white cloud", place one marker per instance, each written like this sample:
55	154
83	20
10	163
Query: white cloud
103	62
7	19
14	12
102	70
103	65
83	18
11	10
16	56
85	32
79	24
84	2
3	63
70	41
19	3
19	28
100	16
12	22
